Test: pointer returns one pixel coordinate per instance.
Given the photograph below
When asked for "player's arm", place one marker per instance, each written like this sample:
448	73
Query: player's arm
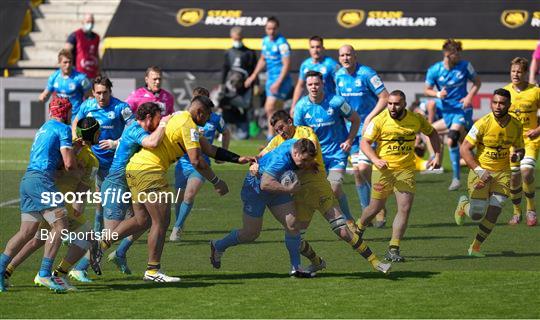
367	149
429	89
435	142
258	68
197	161
298	89
68	158
354	118
222	154
379	107
151	141
466	151
271	184
467	101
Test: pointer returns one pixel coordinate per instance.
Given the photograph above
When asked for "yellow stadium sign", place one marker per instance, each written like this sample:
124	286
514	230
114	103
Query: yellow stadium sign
189	16
350	18
514	18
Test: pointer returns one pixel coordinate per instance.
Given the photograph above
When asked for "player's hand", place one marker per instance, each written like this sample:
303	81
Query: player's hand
165	119
380	164
274	88
107	144
346	145
247	159
291	112
254	169
483	174
434	163
221	188
533	133
293	187
249	81
443	93
466	102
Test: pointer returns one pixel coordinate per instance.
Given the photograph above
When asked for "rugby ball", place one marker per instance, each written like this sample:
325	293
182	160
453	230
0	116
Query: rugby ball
288	177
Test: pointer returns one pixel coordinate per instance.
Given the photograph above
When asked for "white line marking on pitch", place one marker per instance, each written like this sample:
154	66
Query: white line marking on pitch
13	161
9	202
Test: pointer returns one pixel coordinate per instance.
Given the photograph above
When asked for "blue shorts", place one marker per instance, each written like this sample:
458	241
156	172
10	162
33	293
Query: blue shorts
114	208
456	116
183	172
37	193
255	200
337	161
284	91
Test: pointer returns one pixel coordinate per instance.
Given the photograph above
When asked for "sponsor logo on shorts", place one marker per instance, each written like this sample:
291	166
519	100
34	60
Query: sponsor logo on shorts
514	18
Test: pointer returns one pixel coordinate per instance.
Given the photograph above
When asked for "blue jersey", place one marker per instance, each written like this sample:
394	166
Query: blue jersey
327	119
273	52
72	87
454	81
45	156
213	125
277	161
112	120
327	67
360	89
130	143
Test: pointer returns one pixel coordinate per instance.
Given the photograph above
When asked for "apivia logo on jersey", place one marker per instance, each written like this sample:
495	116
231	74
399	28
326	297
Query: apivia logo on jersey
188	17
350	18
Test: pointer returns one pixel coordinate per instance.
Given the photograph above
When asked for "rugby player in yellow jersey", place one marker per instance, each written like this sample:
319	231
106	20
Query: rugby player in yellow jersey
315	194
78	182
498	138
146	178
524	107
394	130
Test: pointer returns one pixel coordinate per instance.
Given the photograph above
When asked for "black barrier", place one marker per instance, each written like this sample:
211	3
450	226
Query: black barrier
11	18
390	35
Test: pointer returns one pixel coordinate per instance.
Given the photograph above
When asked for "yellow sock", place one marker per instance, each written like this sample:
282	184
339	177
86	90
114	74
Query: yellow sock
394	243
373	260
153	267
307	251
484	229
529	195
9	271
105	244
515	196
360	246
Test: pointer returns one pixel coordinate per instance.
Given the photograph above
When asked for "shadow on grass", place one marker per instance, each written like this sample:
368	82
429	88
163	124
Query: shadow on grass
396	275
503	254
97	286
367	238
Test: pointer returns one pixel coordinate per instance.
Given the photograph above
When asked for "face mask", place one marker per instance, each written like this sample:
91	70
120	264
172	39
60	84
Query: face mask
237	44
88	27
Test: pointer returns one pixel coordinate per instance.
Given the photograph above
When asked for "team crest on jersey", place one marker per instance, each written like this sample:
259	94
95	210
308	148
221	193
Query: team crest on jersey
274	48
358	82
307	116
340	84
110	115
71	86
330	111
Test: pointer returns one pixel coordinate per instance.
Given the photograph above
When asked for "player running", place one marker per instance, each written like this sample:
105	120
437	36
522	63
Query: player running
316	62
450	78
394	130
152	92
189	181
326	115
275	56
498	138
524	107
113	115
365	92
67	82
51	148
315	194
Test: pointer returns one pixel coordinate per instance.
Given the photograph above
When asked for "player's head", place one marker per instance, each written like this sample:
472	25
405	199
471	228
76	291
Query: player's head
314	84
347	56
152	78
200	109
282	123
271	27
451	49
316	47
88	22
236	36
65	61
60	108
396	104
200	91
148	115
88	130
518	70
304	153
102	90
500	102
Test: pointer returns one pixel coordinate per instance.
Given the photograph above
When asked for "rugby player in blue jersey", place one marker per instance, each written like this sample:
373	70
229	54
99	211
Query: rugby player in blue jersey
67	82
447	81
316	62
365	92
52	147
275	56
326	115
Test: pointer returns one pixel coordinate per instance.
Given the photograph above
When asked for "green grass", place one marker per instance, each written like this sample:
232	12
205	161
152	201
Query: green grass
437	281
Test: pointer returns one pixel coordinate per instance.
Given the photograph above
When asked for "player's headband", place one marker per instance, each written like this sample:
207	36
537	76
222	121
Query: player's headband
59	107
87	129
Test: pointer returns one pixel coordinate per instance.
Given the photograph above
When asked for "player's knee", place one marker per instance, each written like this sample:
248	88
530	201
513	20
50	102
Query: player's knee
453	137
528	163
497	200
248	235
339	226
477	209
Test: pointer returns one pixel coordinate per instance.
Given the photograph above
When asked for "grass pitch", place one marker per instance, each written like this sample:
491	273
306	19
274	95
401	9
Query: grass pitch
437	281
